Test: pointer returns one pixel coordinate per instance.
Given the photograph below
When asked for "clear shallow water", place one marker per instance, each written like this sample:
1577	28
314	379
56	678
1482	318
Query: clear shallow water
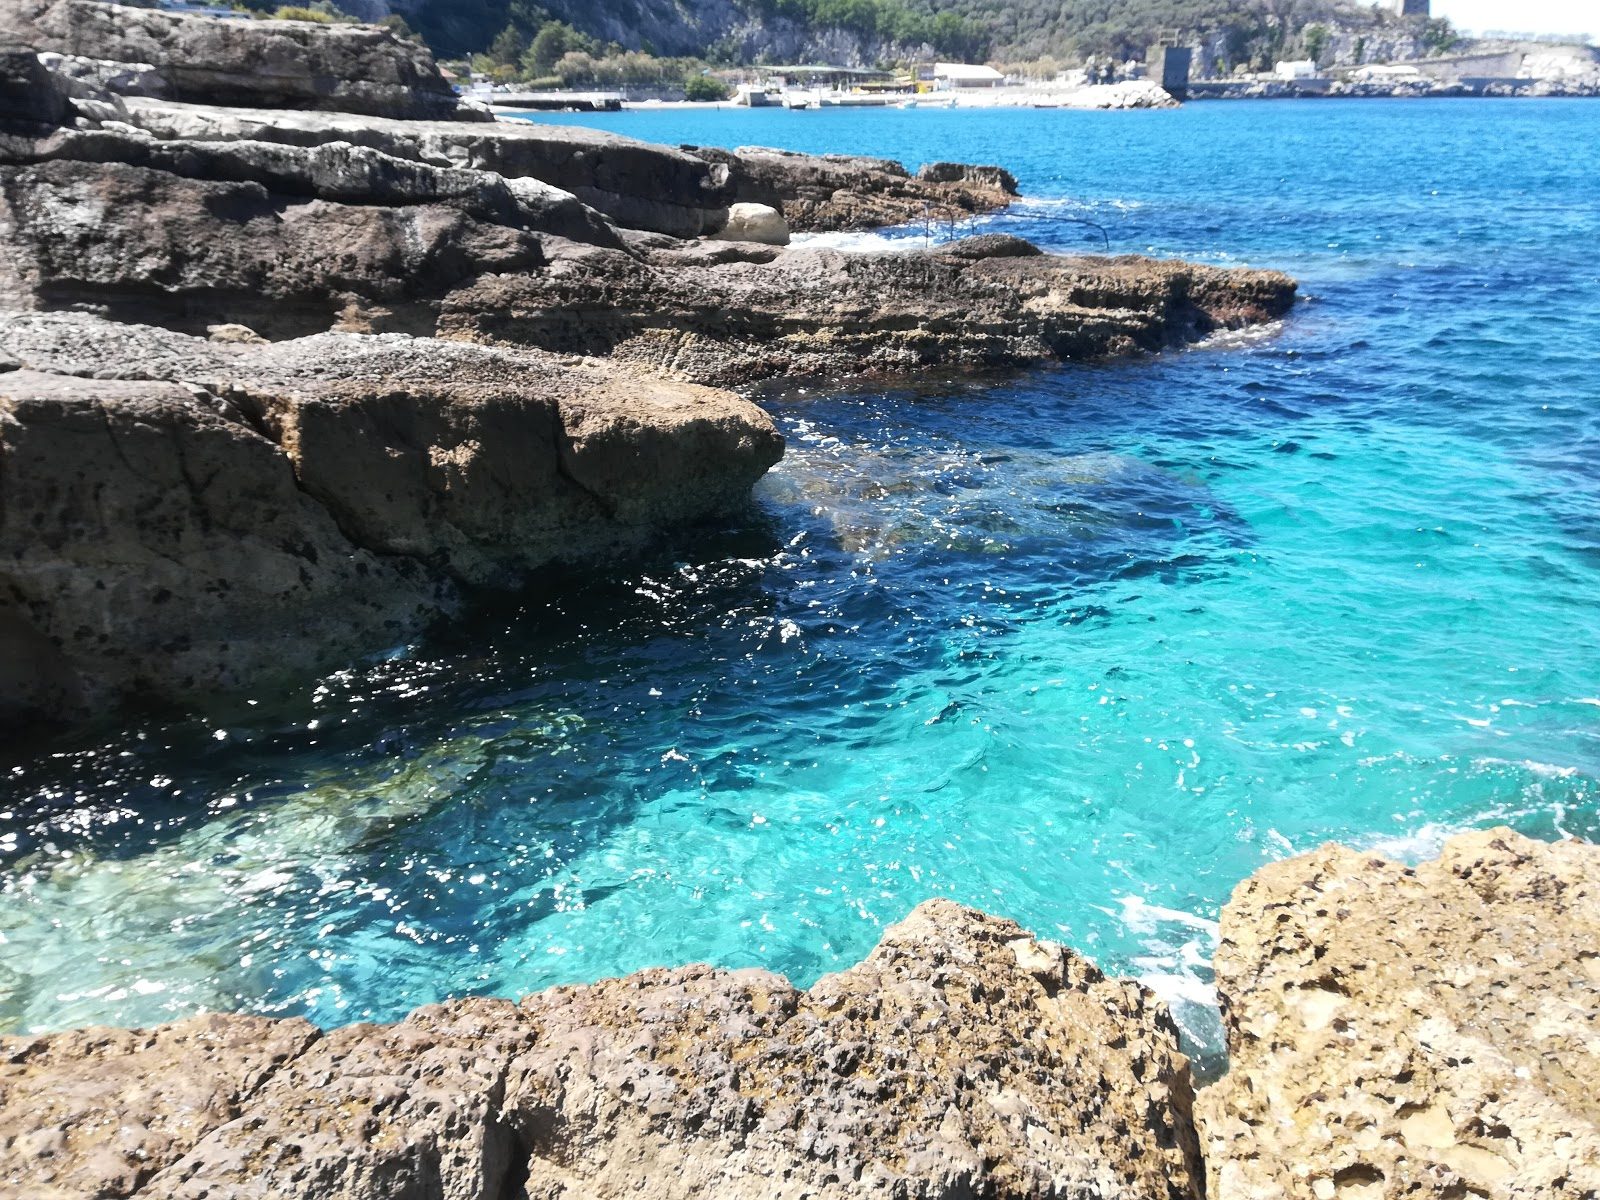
1083	646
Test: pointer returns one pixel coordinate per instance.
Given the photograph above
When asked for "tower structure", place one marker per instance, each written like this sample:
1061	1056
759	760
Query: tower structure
1408	8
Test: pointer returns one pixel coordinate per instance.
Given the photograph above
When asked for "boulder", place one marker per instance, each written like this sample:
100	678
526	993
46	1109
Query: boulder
292	506
235	60
1428	1032
961	1058
992	245
754	223
636	184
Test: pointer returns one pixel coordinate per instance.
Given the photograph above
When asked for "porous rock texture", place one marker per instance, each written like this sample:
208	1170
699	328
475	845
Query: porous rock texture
183	516
1427	1032
264	64
960	1059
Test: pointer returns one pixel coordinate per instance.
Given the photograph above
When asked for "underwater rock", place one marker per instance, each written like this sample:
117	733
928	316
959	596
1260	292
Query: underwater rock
961	1058
1429	1032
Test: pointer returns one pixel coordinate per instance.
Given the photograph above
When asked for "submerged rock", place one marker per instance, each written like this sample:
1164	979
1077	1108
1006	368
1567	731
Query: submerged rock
961	1058
1427	1032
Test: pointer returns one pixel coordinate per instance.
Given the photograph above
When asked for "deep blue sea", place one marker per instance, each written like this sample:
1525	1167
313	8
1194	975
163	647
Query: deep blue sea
1083	646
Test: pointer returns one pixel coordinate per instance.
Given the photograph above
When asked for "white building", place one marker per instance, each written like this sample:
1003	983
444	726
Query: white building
1298	68
967	75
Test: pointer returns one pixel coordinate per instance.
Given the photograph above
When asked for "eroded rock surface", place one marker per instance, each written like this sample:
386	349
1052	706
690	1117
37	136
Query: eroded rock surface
1425	1032
961	1059
184	516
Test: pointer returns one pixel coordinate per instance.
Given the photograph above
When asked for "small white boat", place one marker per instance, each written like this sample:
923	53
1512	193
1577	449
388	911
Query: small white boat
800	100
927	102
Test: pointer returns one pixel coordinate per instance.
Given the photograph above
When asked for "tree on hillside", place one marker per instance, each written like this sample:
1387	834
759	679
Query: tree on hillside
508	47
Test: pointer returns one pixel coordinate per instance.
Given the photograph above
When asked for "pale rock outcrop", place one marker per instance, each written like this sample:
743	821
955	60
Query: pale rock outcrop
1427	1032
758	223
264	64
960	1059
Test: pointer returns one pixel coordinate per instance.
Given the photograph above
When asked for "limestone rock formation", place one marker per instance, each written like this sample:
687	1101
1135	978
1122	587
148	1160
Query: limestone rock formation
1427	1032
682	192
263	64
960	1059
185	516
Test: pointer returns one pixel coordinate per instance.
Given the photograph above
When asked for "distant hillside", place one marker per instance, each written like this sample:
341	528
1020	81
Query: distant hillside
1225	33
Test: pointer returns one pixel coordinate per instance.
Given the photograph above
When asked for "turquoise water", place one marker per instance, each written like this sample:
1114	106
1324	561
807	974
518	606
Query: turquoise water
1083	646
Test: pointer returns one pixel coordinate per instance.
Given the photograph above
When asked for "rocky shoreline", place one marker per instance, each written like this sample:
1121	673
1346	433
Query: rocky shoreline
443	355
1393	1031
288	378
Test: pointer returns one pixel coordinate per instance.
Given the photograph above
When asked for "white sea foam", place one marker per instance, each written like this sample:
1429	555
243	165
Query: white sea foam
903	240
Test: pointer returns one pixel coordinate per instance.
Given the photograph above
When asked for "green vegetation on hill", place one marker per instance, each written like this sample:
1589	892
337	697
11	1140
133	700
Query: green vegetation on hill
1246	32
530	39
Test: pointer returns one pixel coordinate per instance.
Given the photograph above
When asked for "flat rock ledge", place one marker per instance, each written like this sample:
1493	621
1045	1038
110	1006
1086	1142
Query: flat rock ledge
960	1059
1430	1033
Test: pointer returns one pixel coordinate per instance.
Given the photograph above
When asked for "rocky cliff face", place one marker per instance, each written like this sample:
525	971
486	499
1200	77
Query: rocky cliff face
1426	1032
264	64
184	516
961	1059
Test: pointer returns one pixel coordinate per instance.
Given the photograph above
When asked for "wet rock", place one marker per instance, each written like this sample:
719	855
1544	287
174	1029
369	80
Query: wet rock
961	1058
265	64
1427	1032
32	100
992	245
754	223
